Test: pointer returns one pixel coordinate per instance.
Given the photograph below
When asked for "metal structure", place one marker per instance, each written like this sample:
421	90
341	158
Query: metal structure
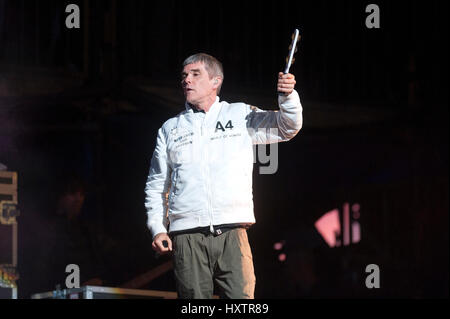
8	235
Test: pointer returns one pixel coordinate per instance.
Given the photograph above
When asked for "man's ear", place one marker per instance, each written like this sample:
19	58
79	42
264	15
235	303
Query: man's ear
217	81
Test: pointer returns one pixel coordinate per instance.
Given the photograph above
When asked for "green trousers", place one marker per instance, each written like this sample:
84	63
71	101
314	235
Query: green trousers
202	260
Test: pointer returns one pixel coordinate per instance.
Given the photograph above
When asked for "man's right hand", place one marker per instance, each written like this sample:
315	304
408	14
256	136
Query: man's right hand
158	243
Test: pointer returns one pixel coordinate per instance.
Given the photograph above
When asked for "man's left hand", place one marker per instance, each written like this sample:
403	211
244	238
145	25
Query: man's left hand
286	83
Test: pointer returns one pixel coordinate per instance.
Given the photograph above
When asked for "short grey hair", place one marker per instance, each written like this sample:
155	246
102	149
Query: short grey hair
212	65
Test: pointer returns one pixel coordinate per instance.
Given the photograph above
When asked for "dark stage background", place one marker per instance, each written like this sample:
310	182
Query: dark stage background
80	109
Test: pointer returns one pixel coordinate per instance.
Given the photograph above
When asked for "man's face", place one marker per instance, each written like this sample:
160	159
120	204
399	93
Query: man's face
196	83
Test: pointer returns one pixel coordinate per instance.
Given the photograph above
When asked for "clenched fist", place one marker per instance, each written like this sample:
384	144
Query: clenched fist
286	83
159	246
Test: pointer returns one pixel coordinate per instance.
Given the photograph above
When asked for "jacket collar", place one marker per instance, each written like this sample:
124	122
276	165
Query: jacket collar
191	109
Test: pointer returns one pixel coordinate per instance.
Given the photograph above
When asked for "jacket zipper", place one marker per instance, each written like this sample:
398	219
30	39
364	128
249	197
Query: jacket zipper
208	184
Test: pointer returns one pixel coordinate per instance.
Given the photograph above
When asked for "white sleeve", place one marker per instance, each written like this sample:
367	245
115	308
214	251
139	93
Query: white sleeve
266	127
157	188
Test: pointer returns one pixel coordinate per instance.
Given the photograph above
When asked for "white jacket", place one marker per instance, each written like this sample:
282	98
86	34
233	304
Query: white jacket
201	169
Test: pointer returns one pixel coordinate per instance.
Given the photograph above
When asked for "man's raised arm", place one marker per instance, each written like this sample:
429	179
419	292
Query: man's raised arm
267	127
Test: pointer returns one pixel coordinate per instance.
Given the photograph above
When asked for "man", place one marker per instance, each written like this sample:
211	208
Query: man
199	190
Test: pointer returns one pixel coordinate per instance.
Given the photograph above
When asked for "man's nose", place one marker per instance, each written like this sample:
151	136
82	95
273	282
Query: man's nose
187	79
